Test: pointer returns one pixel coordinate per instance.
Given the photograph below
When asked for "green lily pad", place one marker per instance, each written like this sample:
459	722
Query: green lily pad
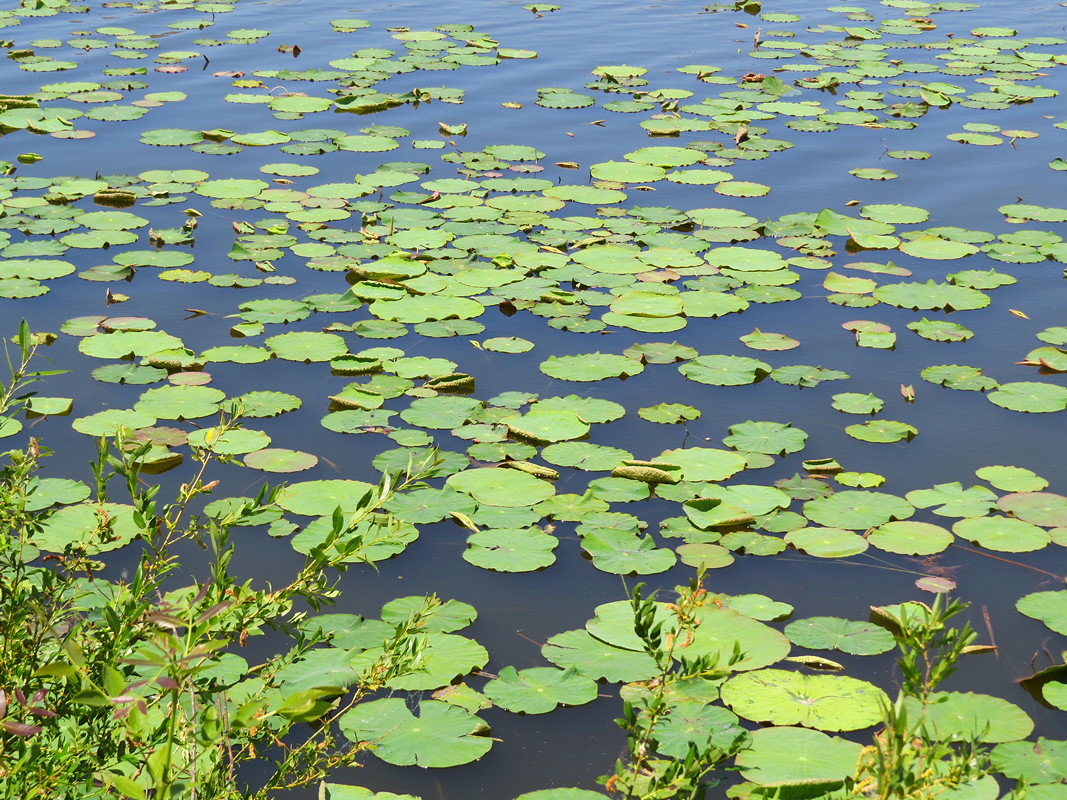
834	633
910	538
539	690
307	346
963	716
772	438
88	526
511	550
278	459
823	702
501	487
1049	607
1028	396
441	735
669	413
597	659
855	403
1002	533
882	430
1012	479
320	498
590	367
180	402
786	756
857	510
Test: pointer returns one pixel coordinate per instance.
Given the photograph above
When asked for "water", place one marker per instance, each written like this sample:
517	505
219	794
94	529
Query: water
959	431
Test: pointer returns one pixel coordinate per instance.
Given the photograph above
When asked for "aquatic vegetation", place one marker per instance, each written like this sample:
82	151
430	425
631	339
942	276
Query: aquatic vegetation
546	360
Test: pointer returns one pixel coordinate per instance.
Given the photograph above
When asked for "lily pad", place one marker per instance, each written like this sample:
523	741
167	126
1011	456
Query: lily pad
441	735
823	702
539	690
501	487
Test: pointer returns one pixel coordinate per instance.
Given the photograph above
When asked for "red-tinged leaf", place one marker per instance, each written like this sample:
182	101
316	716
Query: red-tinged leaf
172	68
935	584
20	728
37	711
166	683
907	392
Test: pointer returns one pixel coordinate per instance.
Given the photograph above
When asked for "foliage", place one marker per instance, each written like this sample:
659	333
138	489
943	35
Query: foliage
134	685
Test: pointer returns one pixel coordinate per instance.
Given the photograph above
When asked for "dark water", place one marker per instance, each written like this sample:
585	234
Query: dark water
959	431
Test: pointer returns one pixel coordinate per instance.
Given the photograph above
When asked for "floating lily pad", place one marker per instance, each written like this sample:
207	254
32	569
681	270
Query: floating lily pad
787	756
834	633
1029	396
501	487
910	538
511	550
823	702
1049	607
441	735
277	459
539	690
590	367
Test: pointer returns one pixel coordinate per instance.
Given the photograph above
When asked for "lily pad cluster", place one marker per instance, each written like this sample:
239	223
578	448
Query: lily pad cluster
577	282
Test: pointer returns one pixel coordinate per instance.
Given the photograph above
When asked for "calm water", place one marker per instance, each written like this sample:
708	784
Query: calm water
959	431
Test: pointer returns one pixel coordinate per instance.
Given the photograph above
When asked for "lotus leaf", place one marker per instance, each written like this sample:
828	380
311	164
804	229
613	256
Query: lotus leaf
772	438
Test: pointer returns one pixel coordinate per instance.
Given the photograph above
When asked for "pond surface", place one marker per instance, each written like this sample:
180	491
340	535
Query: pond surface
836	233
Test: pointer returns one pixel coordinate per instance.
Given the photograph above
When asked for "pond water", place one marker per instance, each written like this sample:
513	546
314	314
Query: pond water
691	220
